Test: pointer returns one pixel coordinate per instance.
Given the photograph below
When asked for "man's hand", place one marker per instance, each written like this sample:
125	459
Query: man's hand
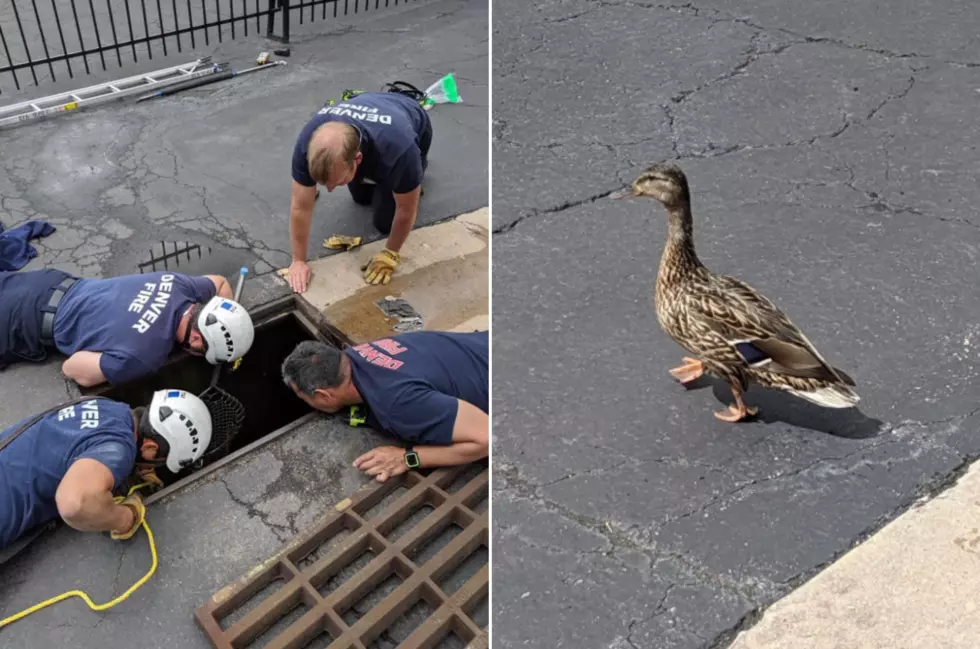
383	462
299	276
135	504
381	266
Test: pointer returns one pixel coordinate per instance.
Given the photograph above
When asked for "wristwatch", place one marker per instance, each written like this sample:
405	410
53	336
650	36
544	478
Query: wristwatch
412	458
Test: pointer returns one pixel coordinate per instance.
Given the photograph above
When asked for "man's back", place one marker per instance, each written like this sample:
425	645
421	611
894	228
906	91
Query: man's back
131	319
32	466
390	125
411	381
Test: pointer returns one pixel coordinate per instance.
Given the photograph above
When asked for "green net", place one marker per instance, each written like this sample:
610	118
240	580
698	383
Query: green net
443	91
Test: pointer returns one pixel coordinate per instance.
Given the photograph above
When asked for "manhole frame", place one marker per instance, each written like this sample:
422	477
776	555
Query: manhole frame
449	616
311	320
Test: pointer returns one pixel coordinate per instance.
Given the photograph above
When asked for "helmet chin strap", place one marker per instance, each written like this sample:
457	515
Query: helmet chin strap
189	328
193	310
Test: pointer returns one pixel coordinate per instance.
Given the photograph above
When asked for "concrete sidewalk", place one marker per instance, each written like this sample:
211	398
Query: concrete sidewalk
444	275
913	585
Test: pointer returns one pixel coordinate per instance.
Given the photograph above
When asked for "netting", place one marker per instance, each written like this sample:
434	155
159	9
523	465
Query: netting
227	417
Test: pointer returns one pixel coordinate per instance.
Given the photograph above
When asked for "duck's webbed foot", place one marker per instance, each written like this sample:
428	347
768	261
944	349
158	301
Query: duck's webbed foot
738	411
691	371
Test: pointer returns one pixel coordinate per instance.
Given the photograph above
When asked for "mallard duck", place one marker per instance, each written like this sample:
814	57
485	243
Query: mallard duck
731	330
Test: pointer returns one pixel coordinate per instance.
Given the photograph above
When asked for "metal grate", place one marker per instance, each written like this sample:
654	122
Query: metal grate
180	251
324	581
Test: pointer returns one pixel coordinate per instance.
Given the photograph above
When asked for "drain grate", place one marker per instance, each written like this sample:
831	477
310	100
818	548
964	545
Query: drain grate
403	563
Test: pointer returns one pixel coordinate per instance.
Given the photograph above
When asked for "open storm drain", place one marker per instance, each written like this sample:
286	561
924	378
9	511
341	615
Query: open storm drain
269	405
400	564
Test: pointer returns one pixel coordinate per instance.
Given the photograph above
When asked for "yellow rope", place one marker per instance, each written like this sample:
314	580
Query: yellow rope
77	593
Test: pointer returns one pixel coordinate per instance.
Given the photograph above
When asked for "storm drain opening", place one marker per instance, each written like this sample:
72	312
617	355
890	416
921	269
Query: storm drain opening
270	407
354	574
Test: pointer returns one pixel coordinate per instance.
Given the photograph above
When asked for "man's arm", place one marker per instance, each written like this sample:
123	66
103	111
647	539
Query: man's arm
300	217
84	499
406	211
222	286
470	442
84	368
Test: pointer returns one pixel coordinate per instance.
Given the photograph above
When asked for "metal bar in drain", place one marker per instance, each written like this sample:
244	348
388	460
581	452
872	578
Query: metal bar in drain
418	581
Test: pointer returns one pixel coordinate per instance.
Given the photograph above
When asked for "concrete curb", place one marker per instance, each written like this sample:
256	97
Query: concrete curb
444	275
914	584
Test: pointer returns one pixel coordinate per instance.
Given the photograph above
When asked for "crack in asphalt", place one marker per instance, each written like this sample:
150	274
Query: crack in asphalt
592	472
552	210
668	111
619	540
717	15
283	532
659	610
759	593
751	55
712	152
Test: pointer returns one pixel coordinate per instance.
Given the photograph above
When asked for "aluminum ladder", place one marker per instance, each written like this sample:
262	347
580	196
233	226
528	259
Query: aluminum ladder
69	101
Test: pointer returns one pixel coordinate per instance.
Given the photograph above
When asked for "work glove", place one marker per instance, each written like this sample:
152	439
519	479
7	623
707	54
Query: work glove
148	474
135	503
381	266
339	241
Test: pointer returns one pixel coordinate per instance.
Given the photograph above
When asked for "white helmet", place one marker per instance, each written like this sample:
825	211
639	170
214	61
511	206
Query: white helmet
185	422
227	328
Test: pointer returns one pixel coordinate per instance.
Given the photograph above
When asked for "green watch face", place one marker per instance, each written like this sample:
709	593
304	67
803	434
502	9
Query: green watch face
412	459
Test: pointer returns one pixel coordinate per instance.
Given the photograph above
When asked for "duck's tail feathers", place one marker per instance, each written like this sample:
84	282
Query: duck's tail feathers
832	396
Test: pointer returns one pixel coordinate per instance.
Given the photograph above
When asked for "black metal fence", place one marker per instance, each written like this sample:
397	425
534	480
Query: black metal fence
44	40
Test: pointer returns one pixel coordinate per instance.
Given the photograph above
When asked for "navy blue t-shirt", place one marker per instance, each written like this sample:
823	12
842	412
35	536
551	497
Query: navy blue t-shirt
390	126
411	382
33	465
131	319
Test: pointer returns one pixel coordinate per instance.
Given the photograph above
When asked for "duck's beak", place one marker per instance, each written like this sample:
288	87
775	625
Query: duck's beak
620	194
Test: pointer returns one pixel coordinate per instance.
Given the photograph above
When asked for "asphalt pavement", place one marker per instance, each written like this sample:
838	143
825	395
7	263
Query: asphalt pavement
210	169
831	155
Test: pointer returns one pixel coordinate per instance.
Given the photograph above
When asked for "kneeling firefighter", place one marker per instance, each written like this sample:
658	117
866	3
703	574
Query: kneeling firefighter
375	143
67	461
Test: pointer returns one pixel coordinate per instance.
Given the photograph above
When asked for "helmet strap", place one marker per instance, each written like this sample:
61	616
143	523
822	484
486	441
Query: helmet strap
192	326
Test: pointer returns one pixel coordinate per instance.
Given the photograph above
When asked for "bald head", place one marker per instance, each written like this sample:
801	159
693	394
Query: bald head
333	154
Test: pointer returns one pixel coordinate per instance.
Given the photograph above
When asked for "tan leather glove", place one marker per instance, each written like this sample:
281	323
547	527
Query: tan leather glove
135	503
381	266
339	241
